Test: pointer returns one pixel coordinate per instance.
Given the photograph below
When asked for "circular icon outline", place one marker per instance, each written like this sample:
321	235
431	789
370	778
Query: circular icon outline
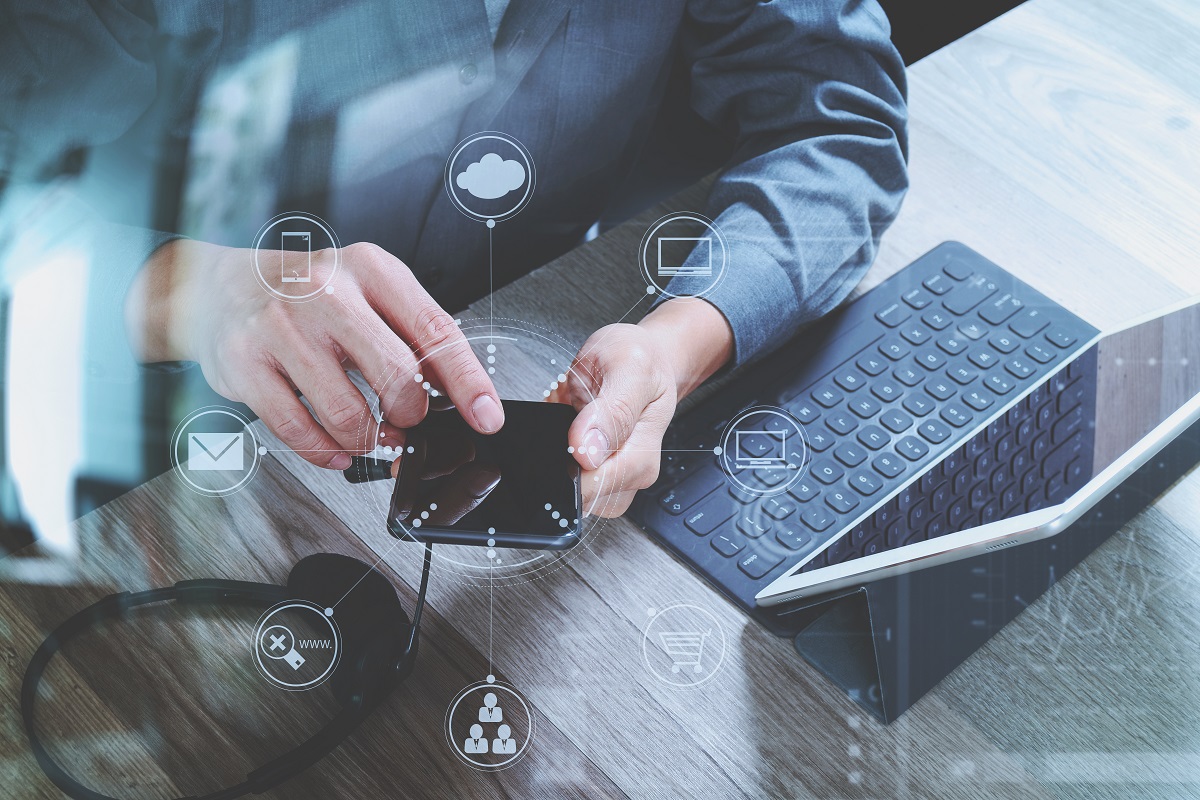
646	646
260	631
682	216
758	491
182	472
328	231
449	727
286	630
530	171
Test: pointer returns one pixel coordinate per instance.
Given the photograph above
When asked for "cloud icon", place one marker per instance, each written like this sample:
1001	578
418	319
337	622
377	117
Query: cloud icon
491	177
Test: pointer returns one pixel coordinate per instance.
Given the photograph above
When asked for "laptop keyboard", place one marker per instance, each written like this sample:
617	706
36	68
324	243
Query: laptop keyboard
911	369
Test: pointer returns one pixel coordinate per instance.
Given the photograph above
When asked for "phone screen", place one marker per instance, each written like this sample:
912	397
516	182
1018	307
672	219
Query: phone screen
519	486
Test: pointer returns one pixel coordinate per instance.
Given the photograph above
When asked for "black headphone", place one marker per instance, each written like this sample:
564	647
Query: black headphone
379	650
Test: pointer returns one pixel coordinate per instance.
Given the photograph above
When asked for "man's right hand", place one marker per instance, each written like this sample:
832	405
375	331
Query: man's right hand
200	302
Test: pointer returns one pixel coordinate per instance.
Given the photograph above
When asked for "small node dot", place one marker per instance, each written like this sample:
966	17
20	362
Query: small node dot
650	612
387	449
329	289
425	384
554	385
497	559
592	450
491	223
553	361
546	393
491	542
418	378
410	449
717	450
382	434
491	370
491	348
1153	361
1183	361
329	612
416	523
548	506
433	506
491	531
649	290
562	377
491	678
491	553
424	515
491	359
433	392
596	478
562	523
262	451
555	515
576	522
854	751
570	448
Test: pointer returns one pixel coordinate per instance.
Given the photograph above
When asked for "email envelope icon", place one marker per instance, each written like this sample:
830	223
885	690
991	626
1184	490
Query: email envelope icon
215	451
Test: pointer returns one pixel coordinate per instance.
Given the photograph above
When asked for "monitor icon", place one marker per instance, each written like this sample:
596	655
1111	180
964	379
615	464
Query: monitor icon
299	271
674	252
761	449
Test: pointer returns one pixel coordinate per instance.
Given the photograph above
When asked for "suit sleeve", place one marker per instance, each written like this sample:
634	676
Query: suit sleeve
813	95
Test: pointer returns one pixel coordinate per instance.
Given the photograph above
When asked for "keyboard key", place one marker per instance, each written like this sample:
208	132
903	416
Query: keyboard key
691	490
754	525
1029	322
850	379
918	514
1068	424
713	512
756	565
895	349
893	315
907	376
850	454
827	471
918	405
841	422
819	440
872	546
939	498
818	517
912	448
871	364
915	334
873	437
805	412
778	508
864	407
1059	338
1019	367
769	477
962	480
936	527
1070	396
957	513
793	538
742	496
1000	309
972	330
952	344
933	431
917	298
895	533
886	390
1039	354
888	465
827	396
957	270
1004	342
804	490
939	388
970	294
962	375
956	415
841	500
865	483
999	383
936	319
896	420
728	544
937	284
930	360
983	359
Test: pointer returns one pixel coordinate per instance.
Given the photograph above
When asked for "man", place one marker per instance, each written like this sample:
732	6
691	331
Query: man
806	99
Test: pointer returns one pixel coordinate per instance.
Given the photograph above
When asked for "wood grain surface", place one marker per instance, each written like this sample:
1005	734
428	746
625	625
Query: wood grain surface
1060	141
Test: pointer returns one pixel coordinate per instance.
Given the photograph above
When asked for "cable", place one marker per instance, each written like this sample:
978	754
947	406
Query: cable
416	619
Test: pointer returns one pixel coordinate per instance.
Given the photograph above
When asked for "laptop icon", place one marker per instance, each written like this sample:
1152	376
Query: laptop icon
675	251
761	449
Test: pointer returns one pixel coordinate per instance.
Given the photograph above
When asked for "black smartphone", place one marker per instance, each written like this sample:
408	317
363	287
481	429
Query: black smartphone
519	487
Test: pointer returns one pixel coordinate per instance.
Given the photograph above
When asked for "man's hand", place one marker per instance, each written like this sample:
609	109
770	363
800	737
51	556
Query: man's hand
194	301
625	382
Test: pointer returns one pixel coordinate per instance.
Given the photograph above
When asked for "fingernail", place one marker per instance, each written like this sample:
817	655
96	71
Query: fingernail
487	413
482	482
340	461
595	447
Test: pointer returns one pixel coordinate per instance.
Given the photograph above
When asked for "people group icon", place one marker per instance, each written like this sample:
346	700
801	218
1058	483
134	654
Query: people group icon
503	743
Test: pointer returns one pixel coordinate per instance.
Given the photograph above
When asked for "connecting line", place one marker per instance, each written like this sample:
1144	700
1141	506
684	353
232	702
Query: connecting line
491	608
491	288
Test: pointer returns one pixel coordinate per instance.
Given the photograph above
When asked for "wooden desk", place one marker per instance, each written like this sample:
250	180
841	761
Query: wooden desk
1061	142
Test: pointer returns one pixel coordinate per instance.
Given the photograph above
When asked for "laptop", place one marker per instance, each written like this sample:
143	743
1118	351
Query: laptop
951	411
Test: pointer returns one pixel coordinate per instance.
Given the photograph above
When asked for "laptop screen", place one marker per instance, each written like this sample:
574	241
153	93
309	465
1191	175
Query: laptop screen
1143	375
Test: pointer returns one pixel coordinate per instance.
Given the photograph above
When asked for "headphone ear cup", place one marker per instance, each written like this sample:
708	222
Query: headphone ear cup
371	621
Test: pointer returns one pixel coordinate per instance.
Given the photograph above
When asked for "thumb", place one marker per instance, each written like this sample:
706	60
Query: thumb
605	424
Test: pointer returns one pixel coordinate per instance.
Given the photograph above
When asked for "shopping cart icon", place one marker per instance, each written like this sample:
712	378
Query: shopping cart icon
685	648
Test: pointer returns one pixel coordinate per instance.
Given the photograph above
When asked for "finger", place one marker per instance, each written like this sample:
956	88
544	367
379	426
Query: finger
605	424
338	405
469	487
275	403
407	308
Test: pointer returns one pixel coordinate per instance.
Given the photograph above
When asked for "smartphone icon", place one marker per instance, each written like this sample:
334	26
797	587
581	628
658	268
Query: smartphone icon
296	271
